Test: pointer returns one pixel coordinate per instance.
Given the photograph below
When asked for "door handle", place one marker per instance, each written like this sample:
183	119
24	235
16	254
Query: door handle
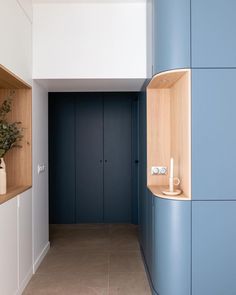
105	161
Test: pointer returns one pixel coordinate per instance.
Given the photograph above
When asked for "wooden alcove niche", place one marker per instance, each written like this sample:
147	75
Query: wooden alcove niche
18	160
169	130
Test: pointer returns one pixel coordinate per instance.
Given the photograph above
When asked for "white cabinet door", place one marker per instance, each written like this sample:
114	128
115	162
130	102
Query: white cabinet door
8	248
25	238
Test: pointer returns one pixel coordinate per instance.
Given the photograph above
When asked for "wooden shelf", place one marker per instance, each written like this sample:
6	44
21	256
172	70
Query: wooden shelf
158	189
169	129
13	192
8	80
18	160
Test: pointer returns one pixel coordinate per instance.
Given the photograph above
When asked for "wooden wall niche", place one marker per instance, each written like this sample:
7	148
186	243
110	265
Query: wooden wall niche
18	160
169	129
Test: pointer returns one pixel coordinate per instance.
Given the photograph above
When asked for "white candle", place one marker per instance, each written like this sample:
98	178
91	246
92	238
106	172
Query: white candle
171	168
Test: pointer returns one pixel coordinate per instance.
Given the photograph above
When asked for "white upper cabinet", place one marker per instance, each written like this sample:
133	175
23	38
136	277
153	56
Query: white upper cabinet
90	39
16	39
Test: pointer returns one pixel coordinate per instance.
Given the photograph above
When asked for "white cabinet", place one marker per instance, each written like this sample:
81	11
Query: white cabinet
25	238
8	248
81	40
16	244
16	39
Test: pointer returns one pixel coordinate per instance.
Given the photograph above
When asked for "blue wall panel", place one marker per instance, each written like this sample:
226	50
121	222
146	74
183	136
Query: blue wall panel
62	121
213	134
171	34
172	247
142	169
214	244
213	33
213	45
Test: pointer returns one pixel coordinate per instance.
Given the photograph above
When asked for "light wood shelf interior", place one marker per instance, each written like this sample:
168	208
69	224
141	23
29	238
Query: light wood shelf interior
169	130
18	160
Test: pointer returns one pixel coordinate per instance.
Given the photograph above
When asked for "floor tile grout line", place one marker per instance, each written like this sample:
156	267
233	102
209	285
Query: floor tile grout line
110	232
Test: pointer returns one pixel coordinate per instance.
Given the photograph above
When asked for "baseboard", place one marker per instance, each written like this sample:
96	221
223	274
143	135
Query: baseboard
25	282
41	257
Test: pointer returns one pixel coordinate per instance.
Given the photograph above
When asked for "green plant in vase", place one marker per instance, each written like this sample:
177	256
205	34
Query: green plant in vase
11	134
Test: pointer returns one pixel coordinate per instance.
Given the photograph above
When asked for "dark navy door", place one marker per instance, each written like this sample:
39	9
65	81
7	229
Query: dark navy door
89	157
93	135
62	158
117	157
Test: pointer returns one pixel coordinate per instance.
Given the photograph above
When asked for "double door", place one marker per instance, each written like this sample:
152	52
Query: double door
92	136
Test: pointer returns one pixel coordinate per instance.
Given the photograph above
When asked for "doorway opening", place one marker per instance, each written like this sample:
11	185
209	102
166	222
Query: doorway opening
94	169
93	157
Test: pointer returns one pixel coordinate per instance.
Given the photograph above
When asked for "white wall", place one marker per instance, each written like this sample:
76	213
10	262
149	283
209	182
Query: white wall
27	7
40	181
16	39
16	55
25	257
89	39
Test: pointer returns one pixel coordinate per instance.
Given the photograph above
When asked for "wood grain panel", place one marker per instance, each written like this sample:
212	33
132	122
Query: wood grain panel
180	131
12	192
8	80
18	160
166	79
169	129
158	133
158	189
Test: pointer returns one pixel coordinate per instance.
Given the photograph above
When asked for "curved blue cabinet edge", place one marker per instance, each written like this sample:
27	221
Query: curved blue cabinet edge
168	254
171	34
154	292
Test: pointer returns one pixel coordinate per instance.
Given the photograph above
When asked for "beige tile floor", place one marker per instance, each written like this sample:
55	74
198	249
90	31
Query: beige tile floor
91	259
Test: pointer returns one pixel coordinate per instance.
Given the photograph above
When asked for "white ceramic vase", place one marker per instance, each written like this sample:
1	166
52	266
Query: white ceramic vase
3	177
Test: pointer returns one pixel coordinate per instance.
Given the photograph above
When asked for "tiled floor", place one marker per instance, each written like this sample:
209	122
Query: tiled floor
95	259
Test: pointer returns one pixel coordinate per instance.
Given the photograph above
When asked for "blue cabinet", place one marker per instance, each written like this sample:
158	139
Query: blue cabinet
213	33
142	169
193	242
167	249
149	233
171	35
214	244
172	247
213	136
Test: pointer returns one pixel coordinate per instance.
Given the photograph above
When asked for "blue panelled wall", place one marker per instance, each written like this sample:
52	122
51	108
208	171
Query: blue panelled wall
171	34
189	246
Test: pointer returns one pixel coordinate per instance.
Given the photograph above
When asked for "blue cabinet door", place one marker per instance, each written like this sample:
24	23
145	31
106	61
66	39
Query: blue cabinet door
213	248
213	134
117	152
149	230
171	34
62	181
171	270
142	168
213	33
89	157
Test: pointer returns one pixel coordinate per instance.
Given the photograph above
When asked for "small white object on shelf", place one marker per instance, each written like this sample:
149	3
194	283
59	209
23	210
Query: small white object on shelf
173	181
3	177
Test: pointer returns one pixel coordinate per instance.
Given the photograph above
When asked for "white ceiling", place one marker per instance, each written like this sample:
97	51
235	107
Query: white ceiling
91	85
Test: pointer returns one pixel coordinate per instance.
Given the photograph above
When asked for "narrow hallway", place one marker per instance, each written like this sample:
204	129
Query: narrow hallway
87	259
